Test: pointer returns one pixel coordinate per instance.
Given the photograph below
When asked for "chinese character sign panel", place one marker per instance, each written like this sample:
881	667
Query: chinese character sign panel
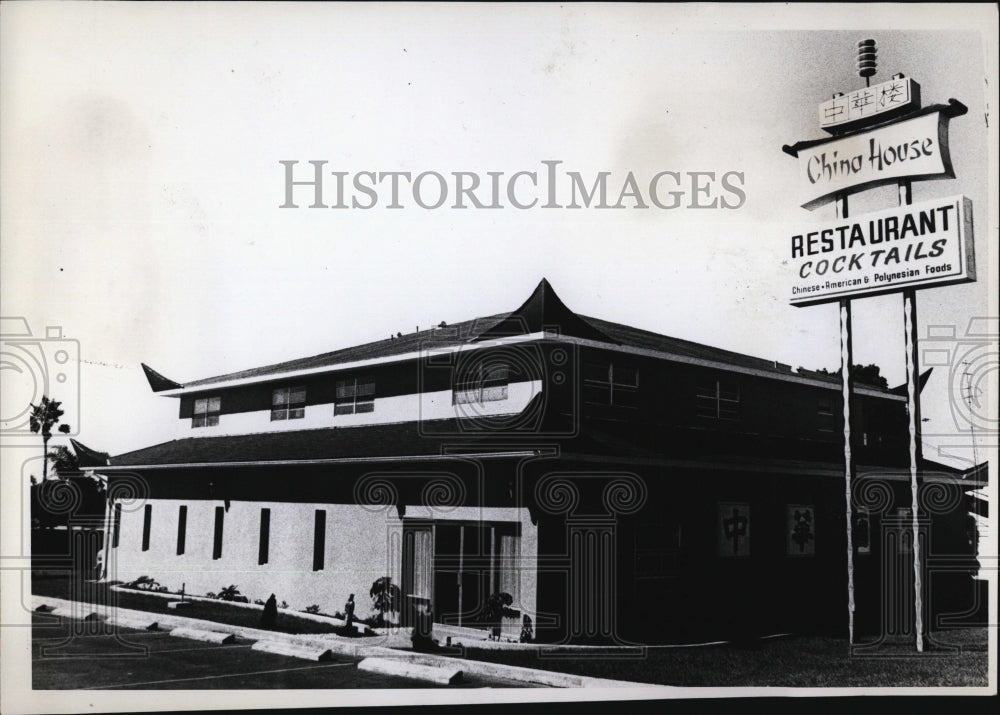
800	530
734	529
882	100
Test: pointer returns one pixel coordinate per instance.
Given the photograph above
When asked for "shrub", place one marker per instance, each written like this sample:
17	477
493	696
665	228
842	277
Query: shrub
314	609
496	608
385	596
527	632
145	583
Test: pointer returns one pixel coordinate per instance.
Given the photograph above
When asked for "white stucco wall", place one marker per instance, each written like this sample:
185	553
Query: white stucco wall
400	408
362	544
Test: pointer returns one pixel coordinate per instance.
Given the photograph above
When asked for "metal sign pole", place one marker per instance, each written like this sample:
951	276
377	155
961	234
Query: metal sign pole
913	411
847	388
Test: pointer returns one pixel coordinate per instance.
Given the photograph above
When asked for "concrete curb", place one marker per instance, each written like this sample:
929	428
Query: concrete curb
73	610
198	634
551	678
294	650
139	624
404	669
350	647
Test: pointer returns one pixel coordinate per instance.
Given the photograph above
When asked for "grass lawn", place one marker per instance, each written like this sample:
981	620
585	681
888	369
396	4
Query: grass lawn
61	585
780	662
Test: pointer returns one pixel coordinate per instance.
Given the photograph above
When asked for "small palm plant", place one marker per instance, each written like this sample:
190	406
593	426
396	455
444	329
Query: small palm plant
229	593
497	608
385	597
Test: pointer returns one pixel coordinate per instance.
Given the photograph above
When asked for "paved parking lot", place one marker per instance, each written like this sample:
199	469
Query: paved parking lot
71	655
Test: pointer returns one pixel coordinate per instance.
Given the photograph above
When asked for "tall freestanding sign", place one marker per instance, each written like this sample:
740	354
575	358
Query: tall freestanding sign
881	135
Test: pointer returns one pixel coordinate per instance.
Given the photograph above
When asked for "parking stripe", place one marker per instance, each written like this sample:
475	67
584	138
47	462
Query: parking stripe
215	677
148	652
103	635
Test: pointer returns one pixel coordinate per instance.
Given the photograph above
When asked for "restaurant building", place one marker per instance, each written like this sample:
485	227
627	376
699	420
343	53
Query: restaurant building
622	486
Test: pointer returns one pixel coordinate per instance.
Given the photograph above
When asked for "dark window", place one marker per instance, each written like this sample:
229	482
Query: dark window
147	517
824	414
319	540
206	412
718	399
116	528
355	395
220	515
182	520
481	382
265	536
610	384
288	403
862	531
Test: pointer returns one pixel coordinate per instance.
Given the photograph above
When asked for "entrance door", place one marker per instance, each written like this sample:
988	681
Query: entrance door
418	569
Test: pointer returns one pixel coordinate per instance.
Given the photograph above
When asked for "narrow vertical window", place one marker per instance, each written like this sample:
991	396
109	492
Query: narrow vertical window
147	517
319	540
862	530
265	536
116	528
217	541
182	520
824	414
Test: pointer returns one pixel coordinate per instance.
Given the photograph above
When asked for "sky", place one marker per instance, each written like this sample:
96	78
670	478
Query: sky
141	180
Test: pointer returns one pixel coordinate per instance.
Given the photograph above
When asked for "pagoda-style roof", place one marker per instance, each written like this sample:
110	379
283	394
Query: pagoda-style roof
88	458
543	313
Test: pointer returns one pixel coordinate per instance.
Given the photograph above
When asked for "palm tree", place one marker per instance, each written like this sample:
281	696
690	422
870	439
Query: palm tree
44	416
64	462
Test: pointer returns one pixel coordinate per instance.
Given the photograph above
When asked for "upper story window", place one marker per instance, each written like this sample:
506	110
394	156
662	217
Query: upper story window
824	414
718	398
481	383
206	412
288	403
610	384
354	396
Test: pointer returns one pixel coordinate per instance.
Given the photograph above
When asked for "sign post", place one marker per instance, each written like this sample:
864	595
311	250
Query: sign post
881	136
913	413
847	388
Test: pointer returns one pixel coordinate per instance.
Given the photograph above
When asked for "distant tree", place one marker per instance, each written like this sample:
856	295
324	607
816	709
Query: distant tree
862	375
44	416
